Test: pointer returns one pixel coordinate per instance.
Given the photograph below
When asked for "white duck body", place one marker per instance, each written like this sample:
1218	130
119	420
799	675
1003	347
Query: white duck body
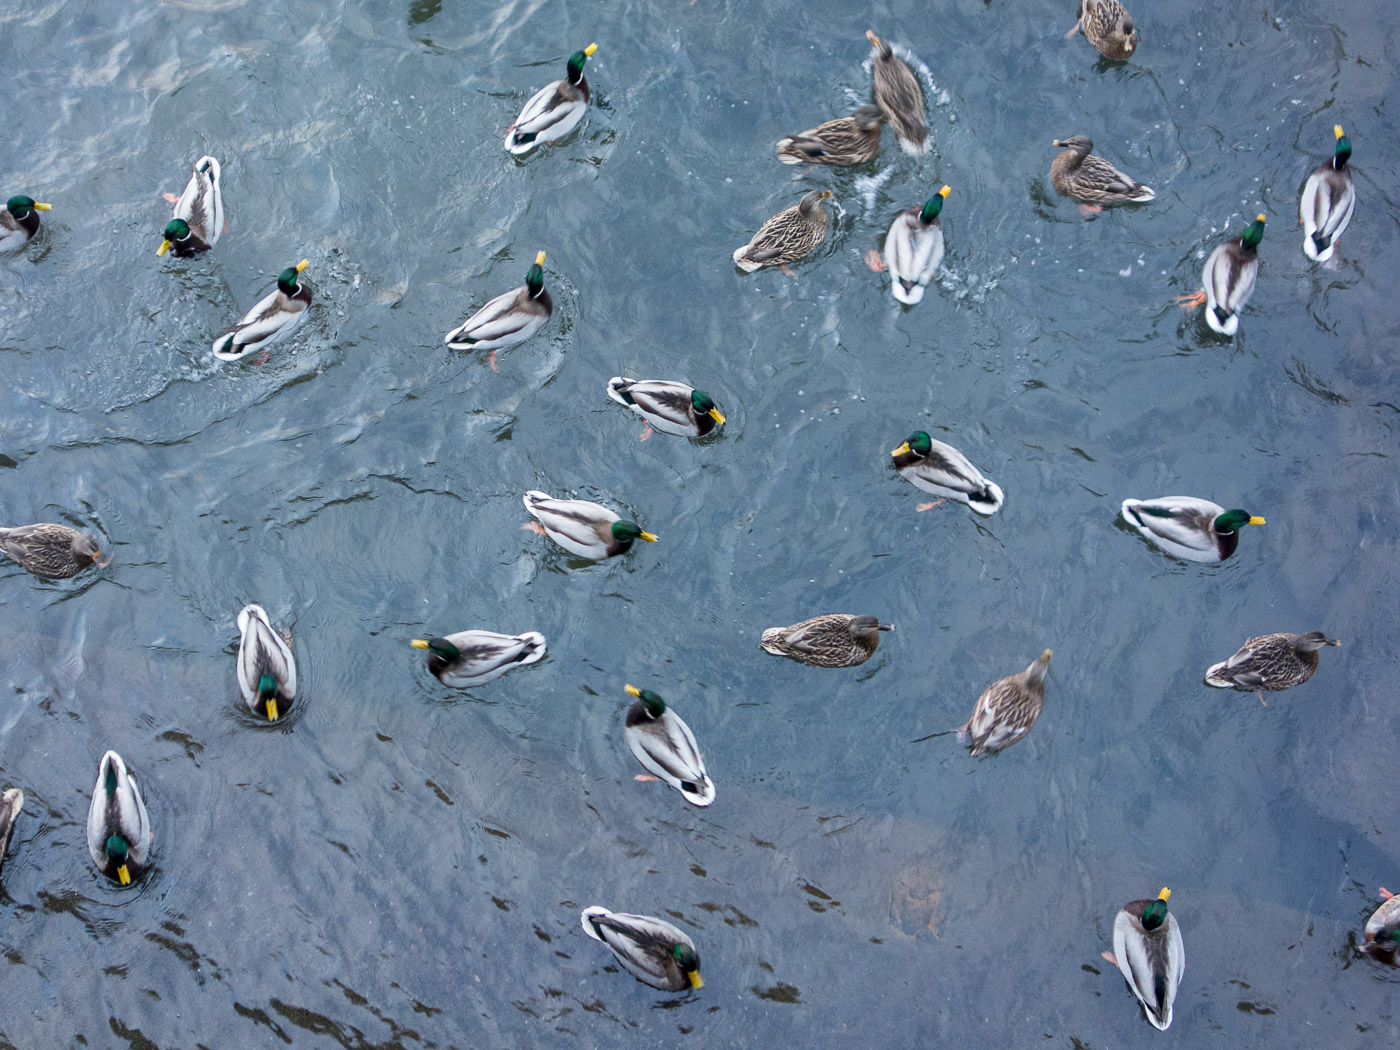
1145	956
273	319
202	203
946	472
666	747
1329	198
508	319
644	946
262	651
668	406
481	655
581	527
118	810
1228	278
913	250
1183	526
553	111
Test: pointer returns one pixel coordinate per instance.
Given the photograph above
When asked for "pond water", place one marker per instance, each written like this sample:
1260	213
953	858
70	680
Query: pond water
397	864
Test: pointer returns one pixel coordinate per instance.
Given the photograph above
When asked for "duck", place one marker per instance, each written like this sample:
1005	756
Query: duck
272	319
914	248
1148	953
670	407
473	657
829	640
788	236
664	745
1271	661
651	950
899	94
584	528
11	802
1228	279
198	219
1080	174
1187	527
19	221
1007	710
944	471
118	828
554	110
838	143
53	551
267	671
1382	934
510	318
1108	26
1327	202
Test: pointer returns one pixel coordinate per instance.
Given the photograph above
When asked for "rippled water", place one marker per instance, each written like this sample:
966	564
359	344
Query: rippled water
400	865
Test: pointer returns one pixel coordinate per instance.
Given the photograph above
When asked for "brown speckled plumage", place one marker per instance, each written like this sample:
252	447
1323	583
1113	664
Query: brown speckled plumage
829	640
787	236
1079	174
54	551
899	94
1008	709
846	140
1271	661
1109	27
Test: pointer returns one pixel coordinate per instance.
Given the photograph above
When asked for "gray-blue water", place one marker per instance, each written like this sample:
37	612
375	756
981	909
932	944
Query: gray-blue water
400	865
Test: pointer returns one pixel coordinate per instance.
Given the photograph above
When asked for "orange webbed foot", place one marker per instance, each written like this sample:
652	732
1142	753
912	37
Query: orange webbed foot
875	261
491	360
534	526
170	198
929	506
647	432
1190	302
1085	210
787	271
1108	957
1385	894
642	778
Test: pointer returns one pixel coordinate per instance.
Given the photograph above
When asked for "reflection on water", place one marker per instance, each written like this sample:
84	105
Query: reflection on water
400	864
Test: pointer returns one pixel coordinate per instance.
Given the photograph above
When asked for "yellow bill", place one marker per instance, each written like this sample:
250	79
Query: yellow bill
588	51
302	265
650	537
716	415
272	708
695	979
1336	130
49	207
164	247
632	690
947	190
1165	895
1259	218
419	643
1257	521
539	259
901	450
123	875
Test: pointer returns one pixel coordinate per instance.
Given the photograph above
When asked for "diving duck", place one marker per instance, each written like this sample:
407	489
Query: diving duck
583	528
899	94
1008	709
1382	936
472	657
267	671
670	407
11	802
787	236
841	142
1108	26
510	318
1228	279
198	219
53	551
19	221
1081	175
272	319
1271	661
1187	527
651	950
664	745
829	640
554	110
118	830
1148	953
944	471
1327	202
914	248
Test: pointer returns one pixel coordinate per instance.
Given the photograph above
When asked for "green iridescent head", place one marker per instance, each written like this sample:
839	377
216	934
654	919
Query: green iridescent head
627	531
439	647
1343	148
576	61
689	963
1252	236
176	230
1156	913
934	205
287	279
1232	520
19	205
656	707
115	849
534	277
918	443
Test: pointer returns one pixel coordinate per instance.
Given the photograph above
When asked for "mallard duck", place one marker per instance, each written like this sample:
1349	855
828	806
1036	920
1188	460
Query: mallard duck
1108	26
472	657
1327	202
198	219
651	950
787	236
914	248
665	746
53	551
670	407
1187	527
19	221
510	318
1382	936
11	802
899	94
844	141
267	671
1271	661
829	640
118	829
584	528
941	469
554	110
1008	709
274	317
1080	175
1148	953
1228	279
